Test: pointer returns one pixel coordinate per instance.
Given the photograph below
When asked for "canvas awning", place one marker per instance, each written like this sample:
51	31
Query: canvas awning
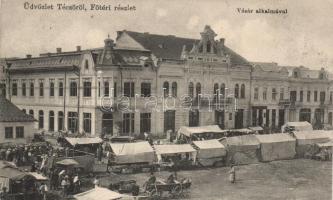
83	141
310	137
188	131
137	152
209	149
98	193
173	149
131	148
208	144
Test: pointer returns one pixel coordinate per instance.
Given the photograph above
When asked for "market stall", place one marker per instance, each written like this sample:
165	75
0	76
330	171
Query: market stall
176	155
305	140
131	153
210	152
242	149
279	146
200	133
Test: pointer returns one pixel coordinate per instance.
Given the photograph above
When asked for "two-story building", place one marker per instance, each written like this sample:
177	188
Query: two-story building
146	82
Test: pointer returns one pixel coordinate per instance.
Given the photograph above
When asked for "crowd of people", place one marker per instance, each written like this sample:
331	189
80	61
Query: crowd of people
24	155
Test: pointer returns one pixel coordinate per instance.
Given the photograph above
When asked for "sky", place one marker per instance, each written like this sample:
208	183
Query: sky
301	37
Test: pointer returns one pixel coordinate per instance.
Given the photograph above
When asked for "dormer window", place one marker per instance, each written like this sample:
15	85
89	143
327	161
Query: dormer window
295	74
321	76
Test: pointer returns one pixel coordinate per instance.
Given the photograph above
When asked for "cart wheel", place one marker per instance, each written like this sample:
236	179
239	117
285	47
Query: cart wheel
177	190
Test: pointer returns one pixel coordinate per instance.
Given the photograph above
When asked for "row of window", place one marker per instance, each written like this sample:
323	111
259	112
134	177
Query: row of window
322	96
218	90
9	132
265	91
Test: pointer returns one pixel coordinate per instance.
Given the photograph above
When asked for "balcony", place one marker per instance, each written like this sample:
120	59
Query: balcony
284	102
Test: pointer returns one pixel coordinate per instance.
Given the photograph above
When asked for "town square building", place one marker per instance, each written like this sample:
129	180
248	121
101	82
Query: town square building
144	82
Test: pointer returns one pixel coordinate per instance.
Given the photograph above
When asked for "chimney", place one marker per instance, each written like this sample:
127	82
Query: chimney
222	41
78	48
58	50
28	55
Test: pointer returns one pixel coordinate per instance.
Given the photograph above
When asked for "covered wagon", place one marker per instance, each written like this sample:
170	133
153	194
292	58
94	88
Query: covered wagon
210	152
241	149
279	146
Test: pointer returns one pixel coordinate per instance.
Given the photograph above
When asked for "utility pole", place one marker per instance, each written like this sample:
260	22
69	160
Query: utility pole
64	95
8	65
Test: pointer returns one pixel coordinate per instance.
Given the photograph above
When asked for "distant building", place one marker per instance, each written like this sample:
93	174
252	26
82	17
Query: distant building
15	125
129	87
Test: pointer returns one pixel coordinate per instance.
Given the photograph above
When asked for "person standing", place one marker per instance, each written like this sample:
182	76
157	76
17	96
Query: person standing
43	191
232	174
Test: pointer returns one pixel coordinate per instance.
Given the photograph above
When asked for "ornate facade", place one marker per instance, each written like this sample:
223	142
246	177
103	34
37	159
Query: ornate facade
153	83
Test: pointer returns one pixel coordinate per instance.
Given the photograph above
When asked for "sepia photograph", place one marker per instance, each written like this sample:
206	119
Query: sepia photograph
157	100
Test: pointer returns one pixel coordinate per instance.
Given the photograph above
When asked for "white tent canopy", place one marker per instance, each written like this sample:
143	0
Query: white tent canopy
188	131
83	141
209	151
277	146
98	193
133	152
310	137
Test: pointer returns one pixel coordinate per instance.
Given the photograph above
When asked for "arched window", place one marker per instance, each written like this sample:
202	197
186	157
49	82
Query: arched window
41	89
190	89
208	45
166	88
236	91
174	89
222	90
198	89
40	119
51	89
61	89
242	94
60	121
23	110
51	121
32	89
73	89
31	112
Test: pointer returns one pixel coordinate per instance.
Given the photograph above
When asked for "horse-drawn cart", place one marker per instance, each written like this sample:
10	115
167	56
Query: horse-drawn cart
177	189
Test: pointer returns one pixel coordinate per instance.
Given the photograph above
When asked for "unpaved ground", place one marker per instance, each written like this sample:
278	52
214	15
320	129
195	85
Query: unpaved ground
291	179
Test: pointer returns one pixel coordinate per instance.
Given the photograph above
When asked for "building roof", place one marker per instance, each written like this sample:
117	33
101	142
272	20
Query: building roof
68	61
171	47
11	113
